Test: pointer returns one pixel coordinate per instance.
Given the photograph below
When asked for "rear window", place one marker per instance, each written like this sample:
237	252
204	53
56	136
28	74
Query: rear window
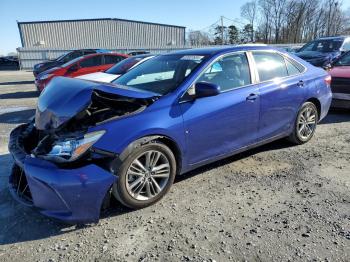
270	65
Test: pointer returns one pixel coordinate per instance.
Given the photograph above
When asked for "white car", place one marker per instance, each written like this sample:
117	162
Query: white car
117	70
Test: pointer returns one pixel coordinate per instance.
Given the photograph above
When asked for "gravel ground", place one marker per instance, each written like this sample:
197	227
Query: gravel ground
275	203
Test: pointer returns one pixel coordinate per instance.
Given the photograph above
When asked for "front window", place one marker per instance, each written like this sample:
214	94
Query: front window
323	46
91	61
161	74
343	60
228	72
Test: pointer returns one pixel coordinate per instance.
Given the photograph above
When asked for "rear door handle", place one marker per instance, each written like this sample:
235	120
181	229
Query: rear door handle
252	97
300	83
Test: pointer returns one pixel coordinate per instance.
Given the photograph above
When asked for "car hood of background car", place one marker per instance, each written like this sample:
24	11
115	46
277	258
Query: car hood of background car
99	77
307	55
45	65
65	97
340	71
48	71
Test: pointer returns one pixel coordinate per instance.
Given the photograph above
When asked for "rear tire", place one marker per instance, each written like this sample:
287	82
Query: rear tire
145	175
305	124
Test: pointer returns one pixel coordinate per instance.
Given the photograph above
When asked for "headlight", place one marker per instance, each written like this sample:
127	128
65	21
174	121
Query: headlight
71	149
45	76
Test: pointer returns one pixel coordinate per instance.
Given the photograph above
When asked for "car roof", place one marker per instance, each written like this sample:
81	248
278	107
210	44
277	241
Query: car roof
143	55
222	49
100	54
332	37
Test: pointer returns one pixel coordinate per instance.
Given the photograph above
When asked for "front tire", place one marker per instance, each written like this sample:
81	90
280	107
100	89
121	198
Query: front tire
305	124
145	175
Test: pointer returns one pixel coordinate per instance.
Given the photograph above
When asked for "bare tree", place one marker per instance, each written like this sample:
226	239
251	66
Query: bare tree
198	38
282	21
249	12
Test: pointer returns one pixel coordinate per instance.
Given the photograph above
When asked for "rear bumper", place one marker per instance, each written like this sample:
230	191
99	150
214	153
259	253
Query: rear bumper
71	195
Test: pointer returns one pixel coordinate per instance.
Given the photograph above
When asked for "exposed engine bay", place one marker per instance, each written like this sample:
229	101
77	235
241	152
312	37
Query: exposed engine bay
53	132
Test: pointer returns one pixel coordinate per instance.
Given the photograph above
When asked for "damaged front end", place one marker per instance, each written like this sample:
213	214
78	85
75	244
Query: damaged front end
57	169
66	140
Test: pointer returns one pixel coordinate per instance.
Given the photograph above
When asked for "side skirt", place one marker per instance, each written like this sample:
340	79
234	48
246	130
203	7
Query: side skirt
237	151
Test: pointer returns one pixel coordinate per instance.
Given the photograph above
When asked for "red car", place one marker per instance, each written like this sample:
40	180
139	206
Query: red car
80	66
340	84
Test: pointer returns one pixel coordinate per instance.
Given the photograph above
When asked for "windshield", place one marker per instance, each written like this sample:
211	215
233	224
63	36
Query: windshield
161	74
343	60
323	46
71	62
60	57
123	66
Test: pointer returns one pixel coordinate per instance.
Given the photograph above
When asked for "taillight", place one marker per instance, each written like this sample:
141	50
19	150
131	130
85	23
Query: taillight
328	80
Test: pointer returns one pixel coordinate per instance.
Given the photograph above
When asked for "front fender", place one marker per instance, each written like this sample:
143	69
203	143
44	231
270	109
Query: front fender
122	132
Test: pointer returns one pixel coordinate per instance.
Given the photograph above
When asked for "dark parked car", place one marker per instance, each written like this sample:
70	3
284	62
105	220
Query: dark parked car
324	50
340	72
173	113
41	67
7	63
138	53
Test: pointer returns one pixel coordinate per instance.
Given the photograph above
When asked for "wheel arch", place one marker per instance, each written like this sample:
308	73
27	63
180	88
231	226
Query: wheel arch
168	141
317	103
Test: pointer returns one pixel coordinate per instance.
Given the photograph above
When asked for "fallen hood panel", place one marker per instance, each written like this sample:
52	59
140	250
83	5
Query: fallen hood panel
99	77
64	97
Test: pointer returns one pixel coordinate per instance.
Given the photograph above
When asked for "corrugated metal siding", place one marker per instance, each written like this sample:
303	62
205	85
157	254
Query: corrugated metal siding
104	33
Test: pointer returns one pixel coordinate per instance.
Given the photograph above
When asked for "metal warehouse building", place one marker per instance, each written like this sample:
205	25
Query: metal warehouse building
47	39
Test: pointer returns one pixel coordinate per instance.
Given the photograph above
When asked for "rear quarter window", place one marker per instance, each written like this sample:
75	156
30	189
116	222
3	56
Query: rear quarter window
293	67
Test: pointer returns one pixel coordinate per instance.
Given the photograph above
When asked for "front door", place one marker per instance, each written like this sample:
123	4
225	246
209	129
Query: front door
221	124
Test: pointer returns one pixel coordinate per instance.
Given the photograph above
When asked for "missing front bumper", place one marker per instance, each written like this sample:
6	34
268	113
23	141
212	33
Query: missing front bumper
72	195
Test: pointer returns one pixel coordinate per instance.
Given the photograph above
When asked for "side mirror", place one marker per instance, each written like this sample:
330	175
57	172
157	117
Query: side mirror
205	89
73	68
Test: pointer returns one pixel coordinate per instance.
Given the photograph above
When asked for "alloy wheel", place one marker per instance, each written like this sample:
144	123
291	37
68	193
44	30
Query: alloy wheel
307	122
148	175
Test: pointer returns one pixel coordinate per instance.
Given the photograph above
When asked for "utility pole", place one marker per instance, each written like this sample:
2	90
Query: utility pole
222	29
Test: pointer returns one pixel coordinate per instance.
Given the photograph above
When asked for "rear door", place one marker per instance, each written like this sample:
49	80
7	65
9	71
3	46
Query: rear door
88	65
281	91
111	60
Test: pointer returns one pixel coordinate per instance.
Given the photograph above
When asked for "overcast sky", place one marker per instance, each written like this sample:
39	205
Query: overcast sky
194	14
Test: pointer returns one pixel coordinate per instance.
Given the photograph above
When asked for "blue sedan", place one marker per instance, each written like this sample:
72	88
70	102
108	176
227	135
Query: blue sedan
92	141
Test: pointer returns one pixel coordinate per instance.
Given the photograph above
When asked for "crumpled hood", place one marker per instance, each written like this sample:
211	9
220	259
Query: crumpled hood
65	97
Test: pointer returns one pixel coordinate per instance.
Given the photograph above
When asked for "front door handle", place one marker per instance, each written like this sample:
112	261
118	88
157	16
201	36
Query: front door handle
300	83
252	97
